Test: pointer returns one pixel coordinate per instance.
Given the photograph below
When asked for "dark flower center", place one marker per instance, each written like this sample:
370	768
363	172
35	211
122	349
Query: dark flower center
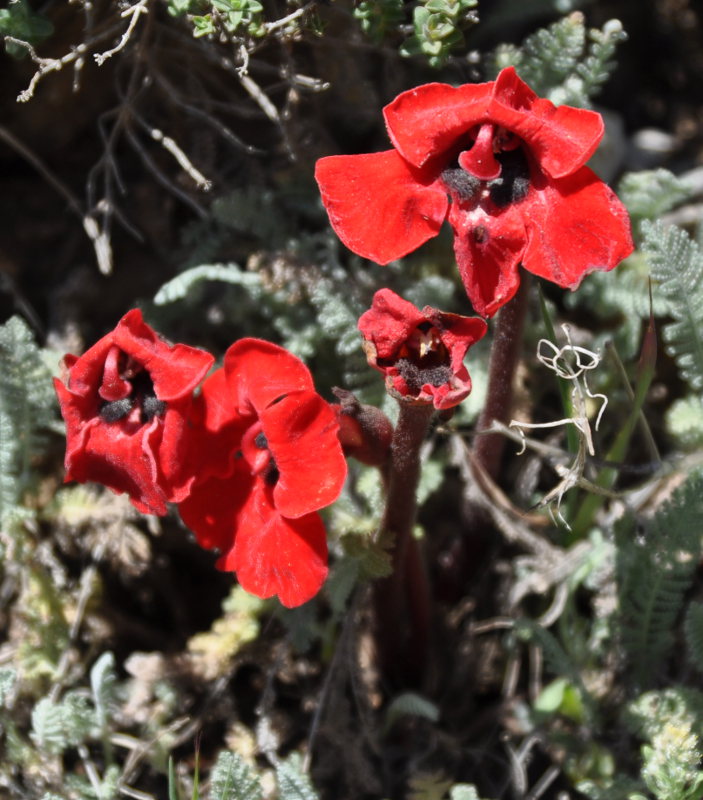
141	396
514	182
255	448
510	186
422	359
271	475
461	182
416	376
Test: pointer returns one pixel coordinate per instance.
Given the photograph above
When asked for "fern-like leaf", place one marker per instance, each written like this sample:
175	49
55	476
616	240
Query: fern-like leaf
8	678
677	265
693	629
233	779
684	422
650	193
654	570
26	407
102	683
293	783
410	704
180	286
48	732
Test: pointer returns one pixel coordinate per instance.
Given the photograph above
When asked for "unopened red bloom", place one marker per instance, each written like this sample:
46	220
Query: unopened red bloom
126	401
421	353
272	460
505	167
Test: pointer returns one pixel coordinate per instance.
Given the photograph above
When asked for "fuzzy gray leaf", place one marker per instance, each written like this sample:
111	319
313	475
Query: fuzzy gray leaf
293	783
677	266
232	779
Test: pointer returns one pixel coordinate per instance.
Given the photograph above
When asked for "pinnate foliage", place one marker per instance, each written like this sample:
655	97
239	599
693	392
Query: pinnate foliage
649	193
677	268
693	630
654	569
27	406
293	783
684	422
232	779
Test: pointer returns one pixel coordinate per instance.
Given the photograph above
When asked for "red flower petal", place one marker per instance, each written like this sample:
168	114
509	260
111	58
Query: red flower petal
175	370
429	120
110	455
217	425
480	160
575	225
458	333
113	386
379	206
301	433
212	508
389	322
273	555
488	249
270	554
422	363
84	374
141	445
259	372
561	139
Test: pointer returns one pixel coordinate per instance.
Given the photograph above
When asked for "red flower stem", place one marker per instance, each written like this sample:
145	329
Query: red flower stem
402	600
505	355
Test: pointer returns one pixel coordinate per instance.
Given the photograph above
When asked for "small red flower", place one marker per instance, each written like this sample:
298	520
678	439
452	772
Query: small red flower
272	459
505	167
126	402
421	353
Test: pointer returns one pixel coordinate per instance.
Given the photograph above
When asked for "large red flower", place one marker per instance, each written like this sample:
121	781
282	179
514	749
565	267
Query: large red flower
272	460
126	401
421	353
505	167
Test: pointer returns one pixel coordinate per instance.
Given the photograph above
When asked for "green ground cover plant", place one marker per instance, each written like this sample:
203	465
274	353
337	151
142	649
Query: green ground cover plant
509	602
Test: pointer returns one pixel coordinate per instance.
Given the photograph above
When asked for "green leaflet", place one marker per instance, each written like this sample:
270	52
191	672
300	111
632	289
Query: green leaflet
27	404
654	569
676	263
293	783
233	779
649	193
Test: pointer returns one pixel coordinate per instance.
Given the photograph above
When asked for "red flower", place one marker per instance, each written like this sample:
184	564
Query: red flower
505	167
125	402
275	459
421	353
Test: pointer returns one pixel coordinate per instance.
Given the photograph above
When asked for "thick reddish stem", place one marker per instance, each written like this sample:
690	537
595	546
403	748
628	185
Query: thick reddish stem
467	554
402	600
505	355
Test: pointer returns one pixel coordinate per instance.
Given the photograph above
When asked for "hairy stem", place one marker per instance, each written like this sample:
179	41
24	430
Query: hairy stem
505	354
468	552
402	600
